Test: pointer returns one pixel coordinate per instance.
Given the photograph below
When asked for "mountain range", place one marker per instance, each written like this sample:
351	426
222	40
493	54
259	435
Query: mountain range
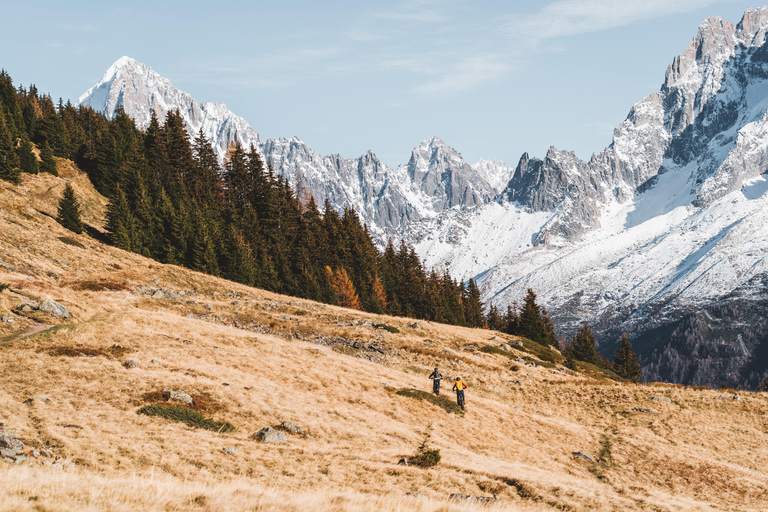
662	235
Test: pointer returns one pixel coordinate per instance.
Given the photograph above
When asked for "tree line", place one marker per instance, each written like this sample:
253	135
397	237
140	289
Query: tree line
171	200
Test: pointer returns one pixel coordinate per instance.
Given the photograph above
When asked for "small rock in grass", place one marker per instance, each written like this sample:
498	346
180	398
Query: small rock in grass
208	306
25	306
131	364
8	319
662	399
229	450
158	295
584	456
505	347
417	325
270	435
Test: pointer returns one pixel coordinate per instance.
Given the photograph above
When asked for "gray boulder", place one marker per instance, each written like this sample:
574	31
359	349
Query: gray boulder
26	306
8	319
505	346
54	309
270	435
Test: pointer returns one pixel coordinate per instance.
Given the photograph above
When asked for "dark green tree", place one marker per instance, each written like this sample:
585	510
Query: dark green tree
9	159
531	324
625	362
583	347
48	164
27	158
69	211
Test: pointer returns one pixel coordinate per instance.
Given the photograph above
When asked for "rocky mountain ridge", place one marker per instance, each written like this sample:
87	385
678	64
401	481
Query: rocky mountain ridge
435	179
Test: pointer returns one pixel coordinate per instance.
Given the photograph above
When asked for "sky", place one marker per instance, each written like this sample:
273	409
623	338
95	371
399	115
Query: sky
493	79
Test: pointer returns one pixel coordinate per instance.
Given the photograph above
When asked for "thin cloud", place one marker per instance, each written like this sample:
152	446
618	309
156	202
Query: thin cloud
418	11
573	17
468	74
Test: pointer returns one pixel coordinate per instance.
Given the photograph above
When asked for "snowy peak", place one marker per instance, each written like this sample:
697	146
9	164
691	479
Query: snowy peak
140	91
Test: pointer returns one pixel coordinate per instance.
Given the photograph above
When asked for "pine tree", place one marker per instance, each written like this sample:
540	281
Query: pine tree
48	164
69	211
625	362
473	307
27	158
9	160
531	324
583	347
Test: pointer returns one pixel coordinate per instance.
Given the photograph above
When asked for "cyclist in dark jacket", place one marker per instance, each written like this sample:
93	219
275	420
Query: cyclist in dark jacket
436	376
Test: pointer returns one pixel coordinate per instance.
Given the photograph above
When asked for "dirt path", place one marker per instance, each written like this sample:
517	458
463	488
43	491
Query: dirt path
34	328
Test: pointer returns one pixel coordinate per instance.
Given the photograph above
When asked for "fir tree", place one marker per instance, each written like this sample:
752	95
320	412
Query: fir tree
531	324
473	307
27	158
69	211
583	347
48	164
625	362
9	160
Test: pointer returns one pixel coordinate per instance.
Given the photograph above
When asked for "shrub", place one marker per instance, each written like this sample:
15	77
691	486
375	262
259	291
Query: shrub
388	328
440	401
187	416
426	458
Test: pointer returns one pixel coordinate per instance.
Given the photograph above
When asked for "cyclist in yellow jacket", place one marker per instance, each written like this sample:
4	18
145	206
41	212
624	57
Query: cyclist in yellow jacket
459	388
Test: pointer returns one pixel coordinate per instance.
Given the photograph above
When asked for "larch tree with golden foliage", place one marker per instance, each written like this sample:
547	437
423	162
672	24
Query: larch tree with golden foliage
342	285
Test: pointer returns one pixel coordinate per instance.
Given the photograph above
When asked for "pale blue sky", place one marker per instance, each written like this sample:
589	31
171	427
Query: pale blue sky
491	78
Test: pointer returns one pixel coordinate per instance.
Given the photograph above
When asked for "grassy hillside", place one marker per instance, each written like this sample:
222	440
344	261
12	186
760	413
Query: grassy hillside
255	359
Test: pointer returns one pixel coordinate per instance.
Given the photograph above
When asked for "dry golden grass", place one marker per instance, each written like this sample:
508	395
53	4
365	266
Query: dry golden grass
256	358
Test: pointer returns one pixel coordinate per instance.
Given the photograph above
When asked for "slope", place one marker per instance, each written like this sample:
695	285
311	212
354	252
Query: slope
255	359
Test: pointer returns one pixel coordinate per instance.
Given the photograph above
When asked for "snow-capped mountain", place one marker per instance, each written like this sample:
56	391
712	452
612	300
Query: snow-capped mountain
663	234
435	179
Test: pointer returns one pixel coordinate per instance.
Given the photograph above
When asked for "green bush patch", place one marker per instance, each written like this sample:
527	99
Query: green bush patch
597	372
440	401
540	351
490	349
426	458
388	328
187	416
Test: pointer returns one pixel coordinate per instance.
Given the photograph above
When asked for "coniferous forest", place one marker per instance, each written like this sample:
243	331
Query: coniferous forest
171	200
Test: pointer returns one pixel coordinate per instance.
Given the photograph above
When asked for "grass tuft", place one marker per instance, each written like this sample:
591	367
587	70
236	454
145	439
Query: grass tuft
187	416
440	401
